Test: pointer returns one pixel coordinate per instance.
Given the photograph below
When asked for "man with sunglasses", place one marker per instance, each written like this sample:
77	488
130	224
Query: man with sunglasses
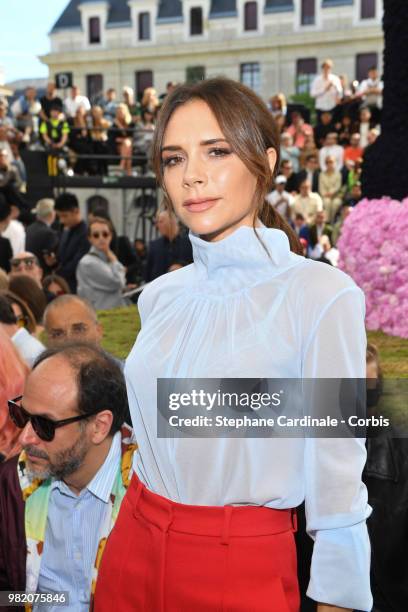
26	263
72	474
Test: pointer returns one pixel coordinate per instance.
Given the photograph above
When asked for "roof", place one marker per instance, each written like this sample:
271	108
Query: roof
169	9
119	13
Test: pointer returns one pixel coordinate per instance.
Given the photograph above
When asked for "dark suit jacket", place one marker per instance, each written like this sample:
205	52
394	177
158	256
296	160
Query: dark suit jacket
6	253
163	253
40	237
302	175
13	545
72	247
327	231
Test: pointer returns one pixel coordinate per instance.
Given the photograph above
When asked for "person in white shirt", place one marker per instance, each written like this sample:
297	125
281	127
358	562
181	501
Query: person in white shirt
15	233
281	200
74	101
370	91
331	149
326	89
324	250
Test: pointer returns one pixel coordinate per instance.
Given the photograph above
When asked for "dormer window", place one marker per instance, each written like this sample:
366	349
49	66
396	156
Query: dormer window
308	12
144	26
94	30
196	21
367	9
250	16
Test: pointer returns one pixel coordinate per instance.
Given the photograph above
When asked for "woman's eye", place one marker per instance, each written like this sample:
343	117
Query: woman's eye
172	161
217	152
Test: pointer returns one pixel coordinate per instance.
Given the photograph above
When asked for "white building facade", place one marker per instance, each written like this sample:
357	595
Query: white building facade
271	45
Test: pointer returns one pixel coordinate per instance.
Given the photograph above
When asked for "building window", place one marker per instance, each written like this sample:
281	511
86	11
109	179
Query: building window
144	79
195	73
368	9
94	87
306	70
365	61
251	75
196	21
94	30
144	26
250	16
307	16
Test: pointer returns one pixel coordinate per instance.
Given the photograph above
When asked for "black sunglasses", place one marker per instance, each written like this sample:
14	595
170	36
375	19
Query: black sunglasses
43	427
97	234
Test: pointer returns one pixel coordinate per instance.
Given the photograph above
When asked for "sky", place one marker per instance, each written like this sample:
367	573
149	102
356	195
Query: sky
24	27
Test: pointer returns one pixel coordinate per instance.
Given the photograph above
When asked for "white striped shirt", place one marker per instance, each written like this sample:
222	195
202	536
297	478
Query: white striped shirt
72	534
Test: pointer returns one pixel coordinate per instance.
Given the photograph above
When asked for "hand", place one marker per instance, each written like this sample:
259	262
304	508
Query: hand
109	254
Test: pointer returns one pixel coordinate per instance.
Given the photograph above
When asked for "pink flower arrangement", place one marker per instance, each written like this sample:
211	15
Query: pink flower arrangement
374	251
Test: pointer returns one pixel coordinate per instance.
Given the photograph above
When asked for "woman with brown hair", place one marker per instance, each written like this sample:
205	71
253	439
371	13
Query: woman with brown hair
208	524
27	289
120	137
99	138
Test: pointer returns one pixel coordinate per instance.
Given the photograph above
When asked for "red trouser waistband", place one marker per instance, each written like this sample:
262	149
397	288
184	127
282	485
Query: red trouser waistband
218	521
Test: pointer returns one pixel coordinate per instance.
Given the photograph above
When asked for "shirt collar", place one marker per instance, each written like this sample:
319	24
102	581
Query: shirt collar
102	483
245	257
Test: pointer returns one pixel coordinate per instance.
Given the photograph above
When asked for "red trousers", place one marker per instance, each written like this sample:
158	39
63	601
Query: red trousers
163	556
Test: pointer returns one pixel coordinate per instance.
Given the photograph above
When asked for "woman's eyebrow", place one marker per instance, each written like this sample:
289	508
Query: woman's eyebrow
203	143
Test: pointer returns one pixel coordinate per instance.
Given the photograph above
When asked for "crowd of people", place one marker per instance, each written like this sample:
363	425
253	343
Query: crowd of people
81	136
58	269
319	178
317	184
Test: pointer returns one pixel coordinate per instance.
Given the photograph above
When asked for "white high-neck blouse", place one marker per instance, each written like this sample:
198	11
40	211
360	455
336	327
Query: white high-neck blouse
237	312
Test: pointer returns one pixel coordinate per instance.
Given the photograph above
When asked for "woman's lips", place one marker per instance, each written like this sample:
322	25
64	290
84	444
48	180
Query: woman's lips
200	205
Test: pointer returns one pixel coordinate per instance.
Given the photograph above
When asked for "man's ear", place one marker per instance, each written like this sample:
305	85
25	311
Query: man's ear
272	157
101	425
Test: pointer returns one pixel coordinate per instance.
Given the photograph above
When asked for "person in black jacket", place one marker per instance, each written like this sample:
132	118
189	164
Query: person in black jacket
171	248
6	252
310	171
74	239
386	478
41	239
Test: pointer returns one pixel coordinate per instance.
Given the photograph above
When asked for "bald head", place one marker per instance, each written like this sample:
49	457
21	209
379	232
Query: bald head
70	317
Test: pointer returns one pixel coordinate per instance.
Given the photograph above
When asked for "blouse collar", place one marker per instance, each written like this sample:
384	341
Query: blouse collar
247	255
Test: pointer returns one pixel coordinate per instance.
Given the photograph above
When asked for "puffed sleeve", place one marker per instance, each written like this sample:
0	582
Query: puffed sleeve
335	497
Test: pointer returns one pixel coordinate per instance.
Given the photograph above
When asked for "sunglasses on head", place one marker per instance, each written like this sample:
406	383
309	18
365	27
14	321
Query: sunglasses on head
97	234
43	426
27	261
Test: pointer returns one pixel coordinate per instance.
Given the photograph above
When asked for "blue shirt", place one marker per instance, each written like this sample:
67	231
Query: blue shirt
240	311
72	534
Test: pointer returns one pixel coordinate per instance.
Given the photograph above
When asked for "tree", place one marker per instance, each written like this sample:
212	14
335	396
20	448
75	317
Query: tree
385	169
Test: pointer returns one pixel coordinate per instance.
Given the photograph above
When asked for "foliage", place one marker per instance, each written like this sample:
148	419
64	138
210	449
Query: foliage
122	326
